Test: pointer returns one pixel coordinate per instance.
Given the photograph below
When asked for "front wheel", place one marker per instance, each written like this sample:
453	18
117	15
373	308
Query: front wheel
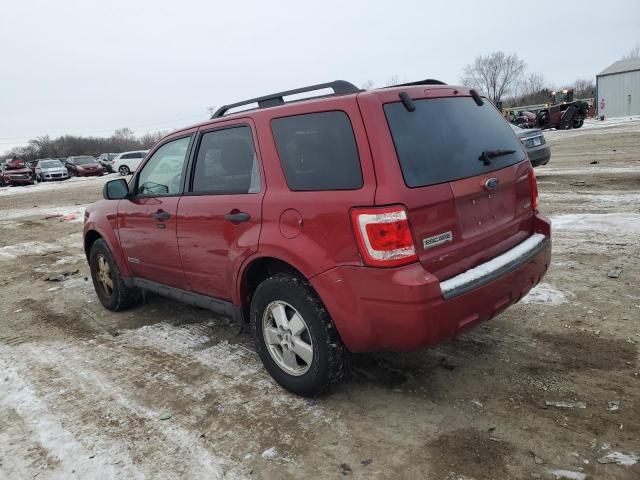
107	281
295	338
124	170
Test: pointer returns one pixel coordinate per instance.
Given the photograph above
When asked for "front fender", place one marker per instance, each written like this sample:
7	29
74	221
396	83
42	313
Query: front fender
105	226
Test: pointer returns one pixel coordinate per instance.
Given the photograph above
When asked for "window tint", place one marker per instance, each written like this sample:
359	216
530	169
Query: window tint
443	138
226	163
318	151
162	174
129	155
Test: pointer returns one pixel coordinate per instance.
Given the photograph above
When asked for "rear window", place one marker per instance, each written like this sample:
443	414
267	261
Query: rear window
443	138
318	151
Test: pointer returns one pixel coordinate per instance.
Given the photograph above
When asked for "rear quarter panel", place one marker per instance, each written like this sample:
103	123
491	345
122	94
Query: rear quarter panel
310	230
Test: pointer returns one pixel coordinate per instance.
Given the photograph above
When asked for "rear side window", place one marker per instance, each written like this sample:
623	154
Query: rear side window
226	163
443	138
318	151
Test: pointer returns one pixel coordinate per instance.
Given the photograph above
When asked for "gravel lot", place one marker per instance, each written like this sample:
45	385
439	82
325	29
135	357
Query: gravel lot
84	393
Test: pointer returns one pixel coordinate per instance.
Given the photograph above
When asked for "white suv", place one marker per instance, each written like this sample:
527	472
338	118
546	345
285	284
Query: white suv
127	162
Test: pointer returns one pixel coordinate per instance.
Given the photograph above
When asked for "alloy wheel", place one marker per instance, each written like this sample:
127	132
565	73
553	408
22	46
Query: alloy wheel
104	275
287	338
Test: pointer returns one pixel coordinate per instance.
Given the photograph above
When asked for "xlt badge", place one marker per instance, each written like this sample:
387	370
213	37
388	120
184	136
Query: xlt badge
436	240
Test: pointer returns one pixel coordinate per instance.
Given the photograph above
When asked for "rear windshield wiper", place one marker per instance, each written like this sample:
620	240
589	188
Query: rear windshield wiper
487	155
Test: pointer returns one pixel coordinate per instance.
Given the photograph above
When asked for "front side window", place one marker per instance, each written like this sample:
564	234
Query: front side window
318	151
226	163
162	174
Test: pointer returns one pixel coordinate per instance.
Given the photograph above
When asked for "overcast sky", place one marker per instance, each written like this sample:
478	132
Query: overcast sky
89	67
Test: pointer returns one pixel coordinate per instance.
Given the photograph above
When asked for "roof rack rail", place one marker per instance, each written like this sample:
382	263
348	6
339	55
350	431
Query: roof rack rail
428	81
339	87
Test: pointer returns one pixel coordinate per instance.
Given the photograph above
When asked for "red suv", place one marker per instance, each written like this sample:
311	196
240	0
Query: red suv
390	219
15	172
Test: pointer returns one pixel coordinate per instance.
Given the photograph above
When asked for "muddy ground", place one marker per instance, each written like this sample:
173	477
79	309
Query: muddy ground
84	393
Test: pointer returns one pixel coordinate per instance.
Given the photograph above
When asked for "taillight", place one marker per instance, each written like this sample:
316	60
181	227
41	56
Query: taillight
534	190
383	235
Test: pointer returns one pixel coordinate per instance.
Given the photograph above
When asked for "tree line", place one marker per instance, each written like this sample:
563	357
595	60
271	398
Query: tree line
64	146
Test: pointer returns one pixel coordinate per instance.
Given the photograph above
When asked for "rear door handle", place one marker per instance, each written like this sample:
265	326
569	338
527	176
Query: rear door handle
161	215
237	216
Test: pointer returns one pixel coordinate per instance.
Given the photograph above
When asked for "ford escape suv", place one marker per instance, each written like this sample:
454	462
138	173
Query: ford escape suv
355	221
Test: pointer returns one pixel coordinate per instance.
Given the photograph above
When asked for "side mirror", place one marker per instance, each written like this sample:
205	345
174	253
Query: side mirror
115	189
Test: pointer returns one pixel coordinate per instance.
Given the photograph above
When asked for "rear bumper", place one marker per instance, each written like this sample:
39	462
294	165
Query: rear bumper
404	308
540	155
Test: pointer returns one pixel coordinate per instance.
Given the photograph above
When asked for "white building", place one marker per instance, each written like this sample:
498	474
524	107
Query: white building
618	89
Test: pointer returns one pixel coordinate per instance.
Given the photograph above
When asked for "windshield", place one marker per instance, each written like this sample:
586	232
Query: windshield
51	164
444	138
14	165
84	160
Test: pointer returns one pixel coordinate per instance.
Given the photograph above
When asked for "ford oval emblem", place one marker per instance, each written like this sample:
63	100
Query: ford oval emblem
491	183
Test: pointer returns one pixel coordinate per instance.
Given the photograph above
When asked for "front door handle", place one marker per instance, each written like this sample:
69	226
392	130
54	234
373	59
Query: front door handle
237	216
162	215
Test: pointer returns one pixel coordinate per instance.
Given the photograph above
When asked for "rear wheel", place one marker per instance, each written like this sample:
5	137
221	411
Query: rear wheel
107	281
578	123
295	338
124	170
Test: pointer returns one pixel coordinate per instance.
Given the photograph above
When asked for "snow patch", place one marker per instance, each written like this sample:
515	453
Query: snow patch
588	170
75	460
568	475
10	252
73	213
609	223
270	453
27	248
56	185
491	266
626	459
544	294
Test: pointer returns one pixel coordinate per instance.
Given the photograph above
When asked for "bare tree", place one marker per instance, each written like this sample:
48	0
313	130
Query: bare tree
583	88
393	80
368	85
532	84
148	140
495	75
634	53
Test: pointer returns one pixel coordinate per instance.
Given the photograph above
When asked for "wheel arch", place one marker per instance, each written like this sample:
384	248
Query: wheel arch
257	270
92	233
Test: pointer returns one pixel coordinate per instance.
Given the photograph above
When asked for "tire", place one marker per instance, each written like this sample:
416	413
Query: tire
119	296
328	355
578	123
124	170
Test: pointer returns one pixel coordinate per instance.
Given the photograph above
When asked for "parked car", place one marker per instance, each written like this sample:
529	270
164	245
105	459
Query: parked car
127	162
15	172
535	144
50	169
388	219
31	165
106	160
83	166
